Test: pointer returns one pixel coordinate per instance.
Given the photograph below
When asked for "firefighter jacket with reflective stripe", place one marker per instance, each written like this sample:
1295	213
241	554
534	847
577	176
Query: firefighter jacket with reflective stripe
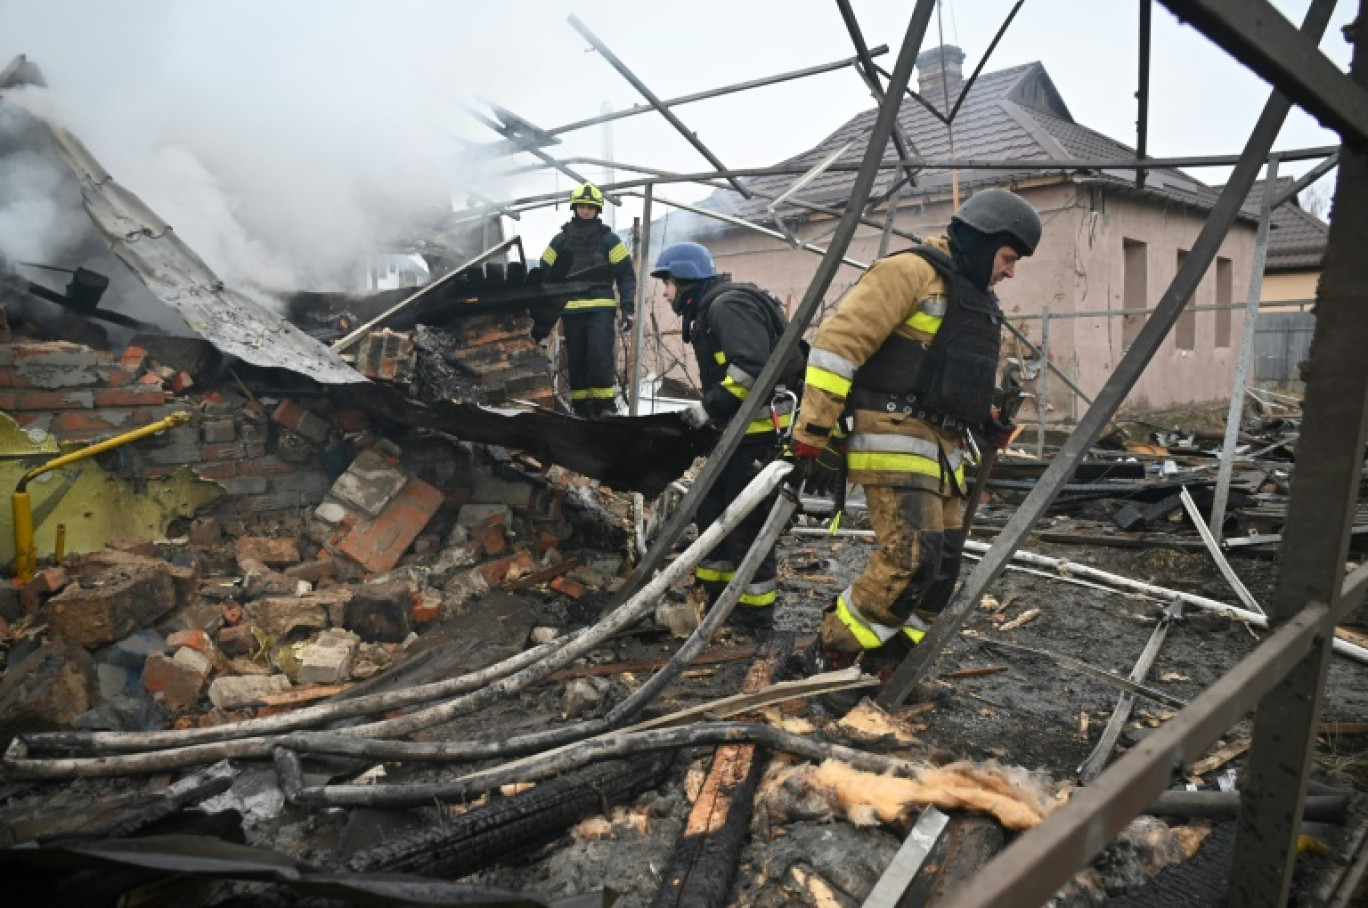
735	329
589	246
901	299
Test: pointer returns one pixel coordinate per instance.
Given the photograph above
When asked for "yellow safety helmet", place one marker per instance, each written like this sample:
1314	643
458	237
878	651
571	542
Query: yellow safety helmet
587	194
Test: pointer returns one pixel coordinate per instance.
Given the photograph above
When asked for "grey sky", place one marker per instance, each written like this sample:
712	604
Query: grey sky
272	132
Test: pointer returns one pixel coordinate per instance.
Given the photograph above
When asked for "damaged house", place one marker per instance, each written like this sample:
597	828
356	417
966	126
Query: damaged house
333	607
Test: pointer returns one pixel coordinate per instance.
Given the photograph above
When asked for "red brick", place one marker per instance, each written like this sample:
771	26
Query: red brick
545	543
133	358
494	572
181	382
119	397
314	571
237	640
150	378
226	469
45	400
194	638
270	551
427	607
265	465
117	379
489	536
378	544
174	683
76	426
289	414
572	588
49	580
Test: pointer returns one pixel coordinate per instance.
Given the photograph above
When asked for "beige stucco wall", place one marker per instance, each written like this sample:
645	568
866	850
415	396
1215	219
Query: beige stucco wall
1078	267
1281	288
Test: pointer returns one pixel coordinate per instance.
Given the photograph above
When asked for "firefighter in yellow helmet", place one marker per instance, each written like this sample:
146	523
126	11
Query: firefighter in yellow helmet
586	246
908	362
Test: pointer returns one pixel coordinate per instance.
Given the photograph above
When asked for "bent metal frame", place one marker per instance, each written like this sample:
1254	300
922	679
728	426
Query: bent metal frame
1283	680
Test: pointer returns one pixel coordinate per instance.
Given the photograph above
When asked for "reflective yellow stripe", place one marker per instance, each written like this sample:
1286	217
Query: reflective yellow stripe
590	304
928	324
591	394
882	462
767	425
713	575
735	389
914	634
759	599
549	256
861	631
720	358
827	381
617	253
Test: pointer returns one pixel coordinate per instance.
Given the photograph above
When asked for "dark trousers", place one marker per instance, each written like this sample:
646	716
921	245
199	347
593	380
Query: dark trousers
589	338
717	568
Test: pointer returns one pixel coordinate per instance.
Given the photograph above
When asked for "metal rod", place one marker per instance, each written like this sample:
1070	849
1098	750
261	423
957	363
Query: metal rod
923	657
816	292
992	46
1092	671
1043	398
642	294
345	342
1259	36
689	135
1320	514
529	145
1217	555
889	217
1235	413
739	222
718	92
904	145
1096	761
1306	179
893	884
1142	92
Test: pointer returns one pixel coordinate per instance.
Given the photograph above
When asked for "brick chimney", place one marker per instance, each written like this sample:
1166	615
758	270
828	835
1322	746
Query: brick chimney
939	76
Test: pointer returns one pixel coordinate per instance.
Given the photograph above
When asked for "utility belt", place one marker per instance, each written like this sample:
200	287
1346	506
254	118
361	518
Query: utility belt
905	403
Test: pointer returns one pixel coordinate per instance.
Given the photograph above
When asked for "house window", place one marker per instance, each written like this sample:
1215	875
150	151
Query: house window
1225	276
1134	289
1185	332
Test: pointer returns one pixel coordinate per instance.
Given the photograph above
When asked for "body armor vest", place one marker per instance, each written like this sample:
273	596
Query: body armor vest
952	378
584	244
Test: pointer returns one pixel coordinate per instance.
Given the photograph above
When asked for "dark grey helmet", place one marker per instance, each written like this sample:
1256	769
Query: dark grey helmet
994	211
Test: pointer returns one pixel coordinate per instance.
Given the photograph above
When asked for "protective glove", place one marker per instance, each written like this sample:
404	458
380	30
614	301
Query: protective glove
817	470
998	430
627	321
695	415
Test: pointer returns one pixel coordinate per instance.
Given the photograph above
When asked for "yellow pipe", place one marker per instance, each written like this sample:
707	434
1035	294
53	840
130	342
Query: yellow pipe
25	552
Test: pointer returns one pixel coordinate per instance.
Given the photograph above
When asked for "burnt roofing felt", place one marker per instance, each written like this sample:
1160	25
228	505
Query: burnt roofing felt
1009	114
1296	237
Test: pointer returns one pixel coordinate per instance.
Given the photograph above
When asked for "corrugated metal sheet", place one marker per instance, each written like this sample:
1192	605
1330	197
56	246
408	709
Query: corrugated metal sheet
1282	341
178	277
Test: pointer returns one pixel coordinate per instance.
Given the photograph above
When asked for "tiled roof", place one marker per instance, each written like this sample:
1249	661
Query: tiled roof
1008	114
1296	237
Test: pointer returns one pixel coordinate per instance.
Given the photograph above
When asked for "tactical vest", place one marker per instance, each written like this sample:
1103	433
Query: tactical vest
707	346
952	378
584	245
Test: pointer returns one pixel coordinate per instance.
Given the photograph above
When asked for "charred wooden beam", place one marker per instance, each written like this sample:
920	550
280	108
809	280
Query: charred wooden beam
705	859
492	832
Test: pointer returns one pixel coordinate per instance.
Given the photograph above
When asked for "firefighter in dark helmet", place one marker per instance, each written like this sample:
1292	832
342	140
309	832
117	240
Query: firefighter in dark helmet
909	361
589	321
733	328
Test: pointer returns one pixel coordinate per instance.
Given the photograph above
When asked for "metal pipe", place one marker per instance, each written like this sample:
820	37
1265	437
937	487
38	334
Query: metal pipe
642	294
1306	179
25	551
689	135
1142	93
1235	412
738	222
530	146
345	342
866	70
1118	386
992	46
817	289
717	92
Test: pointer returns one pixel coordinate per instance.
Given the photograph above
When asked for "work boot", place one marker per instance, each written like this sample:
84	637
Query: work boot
881	663
754	620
